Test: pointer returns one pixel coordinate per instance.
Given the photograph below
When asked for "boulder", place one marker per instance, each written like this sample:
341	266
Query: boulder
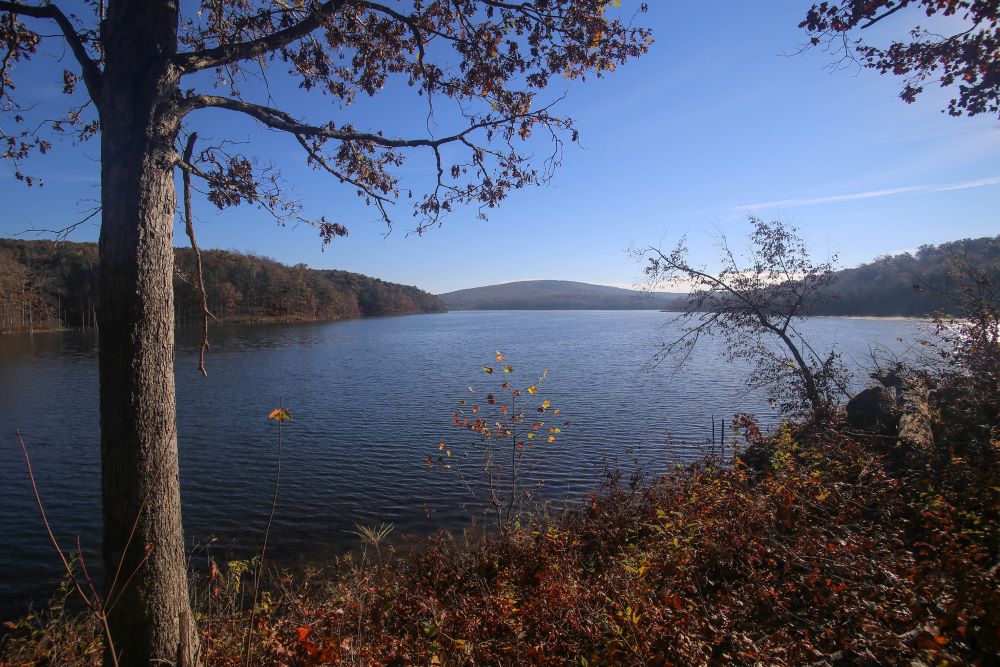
873	410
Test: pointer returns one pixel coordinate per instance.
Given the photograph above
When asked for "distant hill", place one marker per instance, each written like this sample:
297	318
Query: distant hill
556	295
905	285
44	284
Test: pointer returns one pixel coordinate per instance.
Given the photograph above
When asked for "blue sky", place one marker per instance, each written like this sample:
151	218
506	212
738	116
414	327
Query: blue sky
717	121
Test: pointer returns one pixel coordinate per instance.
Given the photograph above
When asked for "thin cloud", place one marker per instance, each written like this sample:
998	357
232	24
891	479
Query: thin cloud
968	184
871	194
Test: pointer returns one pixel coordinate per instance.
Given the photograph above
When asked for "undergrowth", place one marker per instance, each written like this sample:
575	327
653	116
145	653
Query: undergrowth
823	552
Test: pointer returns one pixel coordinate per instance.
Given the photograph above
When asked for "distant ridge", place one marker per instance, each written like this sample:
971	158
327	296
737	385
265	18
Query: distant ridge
557	295
925	282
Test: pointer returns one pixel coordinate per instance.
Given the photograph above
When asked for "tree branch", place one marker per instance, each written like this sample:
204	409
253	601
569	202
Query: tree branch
200	276
875	20
226	54
324	164
91	72
277	119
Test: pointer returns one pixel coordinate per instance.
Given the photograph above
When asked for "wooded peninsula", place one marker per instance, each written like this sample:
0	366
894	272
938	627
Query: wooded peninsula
53	285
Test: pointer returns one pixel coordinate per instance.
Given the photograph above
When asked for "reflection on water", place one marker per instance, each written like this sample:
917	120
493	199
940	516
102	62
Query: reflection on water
370	399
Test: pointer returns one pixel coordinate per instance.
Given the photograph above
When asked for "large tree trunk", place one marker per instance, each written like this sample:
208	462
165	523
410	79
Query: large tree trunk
144	560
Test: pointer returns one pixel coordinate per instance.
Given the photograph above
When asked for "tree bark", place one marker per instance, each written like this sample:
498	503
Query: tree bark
146	588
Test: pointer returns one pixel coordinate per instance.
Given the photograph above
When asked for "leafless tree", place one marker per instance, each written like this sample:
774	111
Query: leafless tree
756	301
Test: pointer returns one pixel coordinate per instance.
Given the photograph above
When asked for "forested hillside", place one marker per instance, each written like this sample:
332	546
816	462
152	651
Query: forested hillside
46	285
914	285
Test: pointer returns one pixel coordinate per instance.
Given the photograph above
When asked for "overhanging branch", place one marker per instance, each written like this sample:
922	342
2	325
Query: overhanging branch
277	119
91	72
226	54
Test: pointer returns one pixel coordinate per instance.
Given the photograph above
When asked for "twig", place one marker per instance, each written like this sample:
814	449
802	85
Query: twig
93	604
263	548
189	228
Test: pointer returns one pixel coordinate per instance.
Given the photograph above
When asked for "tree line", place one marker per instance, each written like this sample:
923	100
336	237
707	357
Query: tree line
53	285
917	284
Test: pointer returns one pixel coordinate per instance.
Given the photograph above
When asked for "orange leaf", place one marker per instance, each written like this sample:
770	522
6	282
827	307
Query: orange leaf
280	415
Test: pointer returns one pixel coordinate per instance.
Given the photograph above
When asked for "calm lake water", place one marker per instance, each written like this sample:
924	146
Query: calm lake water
370	399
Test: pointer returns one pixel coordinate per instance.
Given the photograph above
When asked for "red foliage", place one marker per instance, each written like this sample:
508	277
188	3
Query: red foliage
825	554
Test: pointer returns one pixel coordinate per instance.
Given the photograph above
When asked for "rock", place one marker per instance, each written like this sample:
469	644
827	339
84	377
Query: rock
916	433
873	410
757	457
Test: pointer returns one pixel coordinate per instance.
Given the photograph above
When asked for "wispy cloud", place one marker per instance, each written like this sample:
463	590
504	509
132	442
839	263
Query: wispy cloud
968	184
871	194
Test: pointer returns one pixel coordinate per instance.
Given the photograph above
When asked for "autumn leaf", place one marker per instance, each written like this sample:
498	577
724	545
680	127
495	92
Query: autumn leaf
508	369
551	438
546	404
280	415
488	370
499	356
533	389
441	445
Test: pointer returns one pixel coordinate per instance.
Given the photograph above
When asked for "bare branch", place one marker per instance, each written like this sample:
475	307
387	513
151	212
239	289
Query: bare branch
64	232
199	275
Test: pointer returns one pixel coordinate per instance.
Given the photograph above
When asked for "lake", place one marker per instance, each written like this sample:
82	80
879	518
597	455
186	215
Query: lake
370	400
